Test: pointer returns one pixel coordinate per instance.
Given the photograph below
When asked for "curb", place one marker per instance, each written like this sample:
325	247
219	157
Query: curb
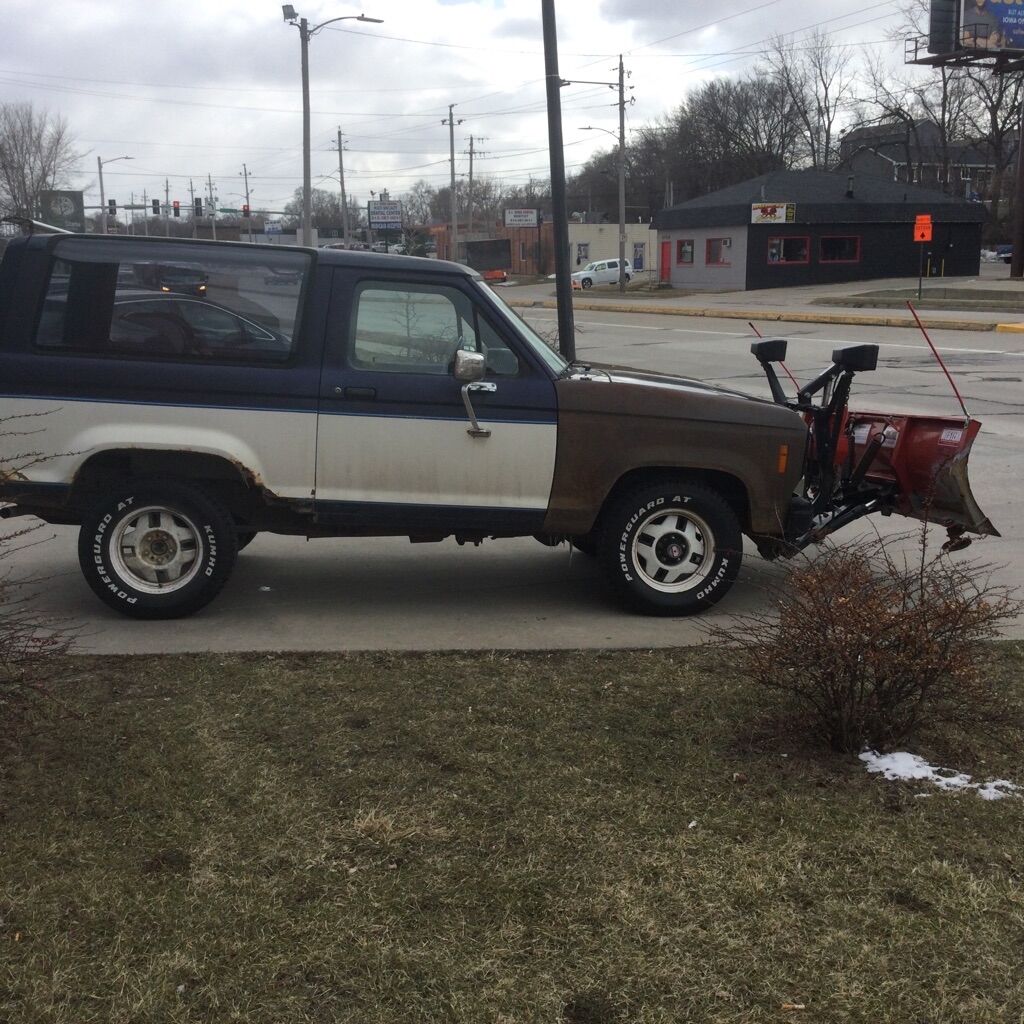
850	319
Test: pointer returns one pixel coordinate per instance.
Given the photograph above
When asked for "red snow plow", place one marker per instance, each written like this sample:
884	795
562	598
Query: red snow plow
858	463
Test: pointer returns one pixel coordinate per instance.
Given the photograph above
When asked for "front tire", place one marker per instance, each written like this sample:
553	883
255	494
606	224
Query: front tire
152	550
671	548
586	282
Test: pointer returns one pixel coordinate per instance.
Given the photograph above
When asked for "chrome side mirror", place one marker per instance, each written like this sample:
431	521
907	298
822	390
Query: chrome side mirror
469	366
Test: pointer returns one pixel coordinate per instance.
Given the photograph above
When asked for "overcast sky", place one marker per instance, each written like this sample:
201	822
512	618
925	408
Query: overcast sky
191	89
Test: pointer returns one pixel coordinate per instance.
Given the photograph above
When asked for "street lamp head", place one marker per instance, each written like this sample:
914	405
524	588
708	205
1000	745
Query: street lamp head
289	12
375	21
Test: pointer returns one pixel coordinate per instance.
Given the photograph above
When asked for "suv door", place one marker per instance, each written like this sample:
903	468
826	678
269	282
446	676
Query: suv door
394	452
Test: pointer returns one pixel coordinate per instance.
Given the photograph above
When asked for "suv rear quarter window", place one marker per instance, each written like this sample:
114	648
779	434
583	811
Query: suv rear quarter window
173	301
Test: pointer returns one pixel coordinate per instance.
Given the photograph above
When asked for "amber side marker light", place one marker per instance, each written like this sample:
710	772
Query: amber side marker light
783	458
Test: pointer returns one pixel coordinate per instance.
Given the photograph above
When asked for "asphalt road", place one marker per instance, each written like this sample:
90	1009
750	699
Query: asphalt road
287	593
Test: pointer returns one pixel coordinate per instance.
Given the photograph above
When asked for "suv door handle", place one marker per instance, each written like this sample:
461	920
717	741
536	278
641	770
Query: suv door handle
485	386
364	393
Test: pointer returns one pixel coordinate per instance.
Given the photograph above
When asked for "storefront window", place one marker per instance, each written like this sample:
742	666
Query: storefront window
684	250
789	250
718	252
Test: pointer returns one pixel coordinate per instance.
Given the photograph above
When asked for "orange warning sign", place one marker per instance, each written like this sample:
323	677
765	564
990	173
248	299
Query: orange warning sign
923	227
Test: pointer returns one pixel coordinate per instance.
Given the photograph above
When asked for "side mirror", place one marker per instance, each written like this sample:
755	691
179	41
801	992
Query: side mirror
469	366
502	361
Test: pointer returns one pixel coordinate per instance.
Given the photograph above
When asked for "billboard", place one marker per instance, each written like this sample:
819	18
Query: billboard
991	25
384	214
520	218
62	209
773	213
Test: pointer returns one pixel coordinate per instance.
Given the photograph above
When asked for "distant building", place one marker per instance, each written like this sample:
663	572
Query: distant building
912	154
811	227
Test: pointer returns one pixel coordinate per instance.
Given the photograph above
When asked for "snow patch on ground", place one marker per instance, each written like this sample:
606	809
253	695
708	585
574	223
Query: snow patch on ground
904	766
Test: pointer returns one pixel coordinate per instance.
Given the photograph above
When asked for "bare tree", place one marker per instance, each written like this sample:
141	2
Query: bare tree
817	79
36	153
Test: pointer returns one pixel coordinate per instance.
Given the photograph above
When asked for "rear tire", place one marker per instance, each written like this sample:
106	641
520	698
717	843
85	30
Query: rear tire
154	550
670	548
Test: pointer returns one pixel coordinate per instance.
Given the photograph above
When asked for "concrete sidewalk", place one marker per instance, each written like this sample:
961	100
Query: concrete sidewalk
793	305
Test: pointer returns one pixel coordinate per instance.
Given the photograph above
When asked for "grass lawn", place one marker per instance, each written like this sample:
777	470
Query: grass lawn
564	838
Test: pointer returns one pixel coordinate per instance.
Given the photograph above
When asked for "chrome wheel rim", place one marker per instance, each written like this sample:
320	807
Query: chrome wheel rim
673	550
156	550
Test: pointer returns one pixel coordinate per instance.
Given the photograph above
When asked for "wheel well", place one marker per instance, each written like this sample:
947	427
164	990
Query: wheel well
235	486
731	488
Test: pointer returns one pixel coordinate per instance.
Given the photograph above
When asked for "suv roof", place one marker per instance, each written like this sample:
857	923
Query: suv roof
331	257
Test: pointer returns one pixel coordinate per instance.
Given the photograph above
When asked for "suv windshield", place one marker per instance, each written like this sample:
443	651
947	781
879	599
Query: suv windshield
550	357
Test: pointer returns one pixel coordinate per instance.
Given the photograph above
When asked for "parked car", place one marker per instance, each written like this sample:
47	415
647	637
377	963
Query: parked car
182	277
396	396
600	272
1004	253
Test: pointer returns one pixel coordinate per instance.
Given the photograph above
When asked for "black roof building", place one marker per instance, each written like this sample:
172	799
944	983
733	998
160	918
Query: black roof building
807	227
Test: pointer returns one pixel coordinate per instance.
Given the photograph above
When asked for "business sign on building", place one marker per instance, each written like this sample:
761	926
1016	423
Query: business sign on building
384	214
62	209
773	213
991	25
521	218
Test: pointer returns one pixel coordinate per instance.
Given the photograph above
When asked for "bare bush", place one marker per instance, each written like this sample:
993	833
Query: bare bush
865	644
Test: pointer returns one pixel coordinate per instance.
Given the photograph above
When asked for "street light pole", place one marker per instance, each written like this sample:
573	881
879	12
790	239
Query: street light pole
103	194
622	192
305	34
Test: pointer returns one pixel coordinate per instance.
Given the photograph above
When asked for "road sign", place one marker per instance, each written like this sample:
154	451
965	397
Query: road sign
63	209
520	218
384	214
923	227
773	213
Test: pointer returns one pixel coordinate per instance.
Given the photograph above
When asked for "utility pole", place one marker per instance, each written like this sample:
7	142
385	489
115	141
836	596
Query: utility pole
167	208
131	213
192	205
145	213
213	208
622	176
559	214
471	152
451	122
341	176
245	175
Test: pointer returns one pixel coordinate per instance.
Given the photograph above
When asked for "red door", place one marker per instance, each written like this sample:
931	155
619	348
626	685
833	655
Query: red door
665	263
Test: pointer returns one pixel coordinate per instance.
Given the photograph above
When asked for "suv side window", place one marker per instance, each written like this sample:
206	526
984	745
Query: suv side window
172	301
405	328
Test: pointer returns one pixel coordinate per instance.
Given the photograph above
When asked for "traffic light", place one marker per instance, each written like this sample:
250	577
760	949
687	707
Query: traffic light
176	207
199	206
112	207
245	210
156	207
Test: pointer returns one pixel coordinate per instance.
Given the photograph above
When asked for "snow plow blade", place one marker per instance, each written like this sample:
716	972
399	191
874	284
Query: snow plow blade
924	459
